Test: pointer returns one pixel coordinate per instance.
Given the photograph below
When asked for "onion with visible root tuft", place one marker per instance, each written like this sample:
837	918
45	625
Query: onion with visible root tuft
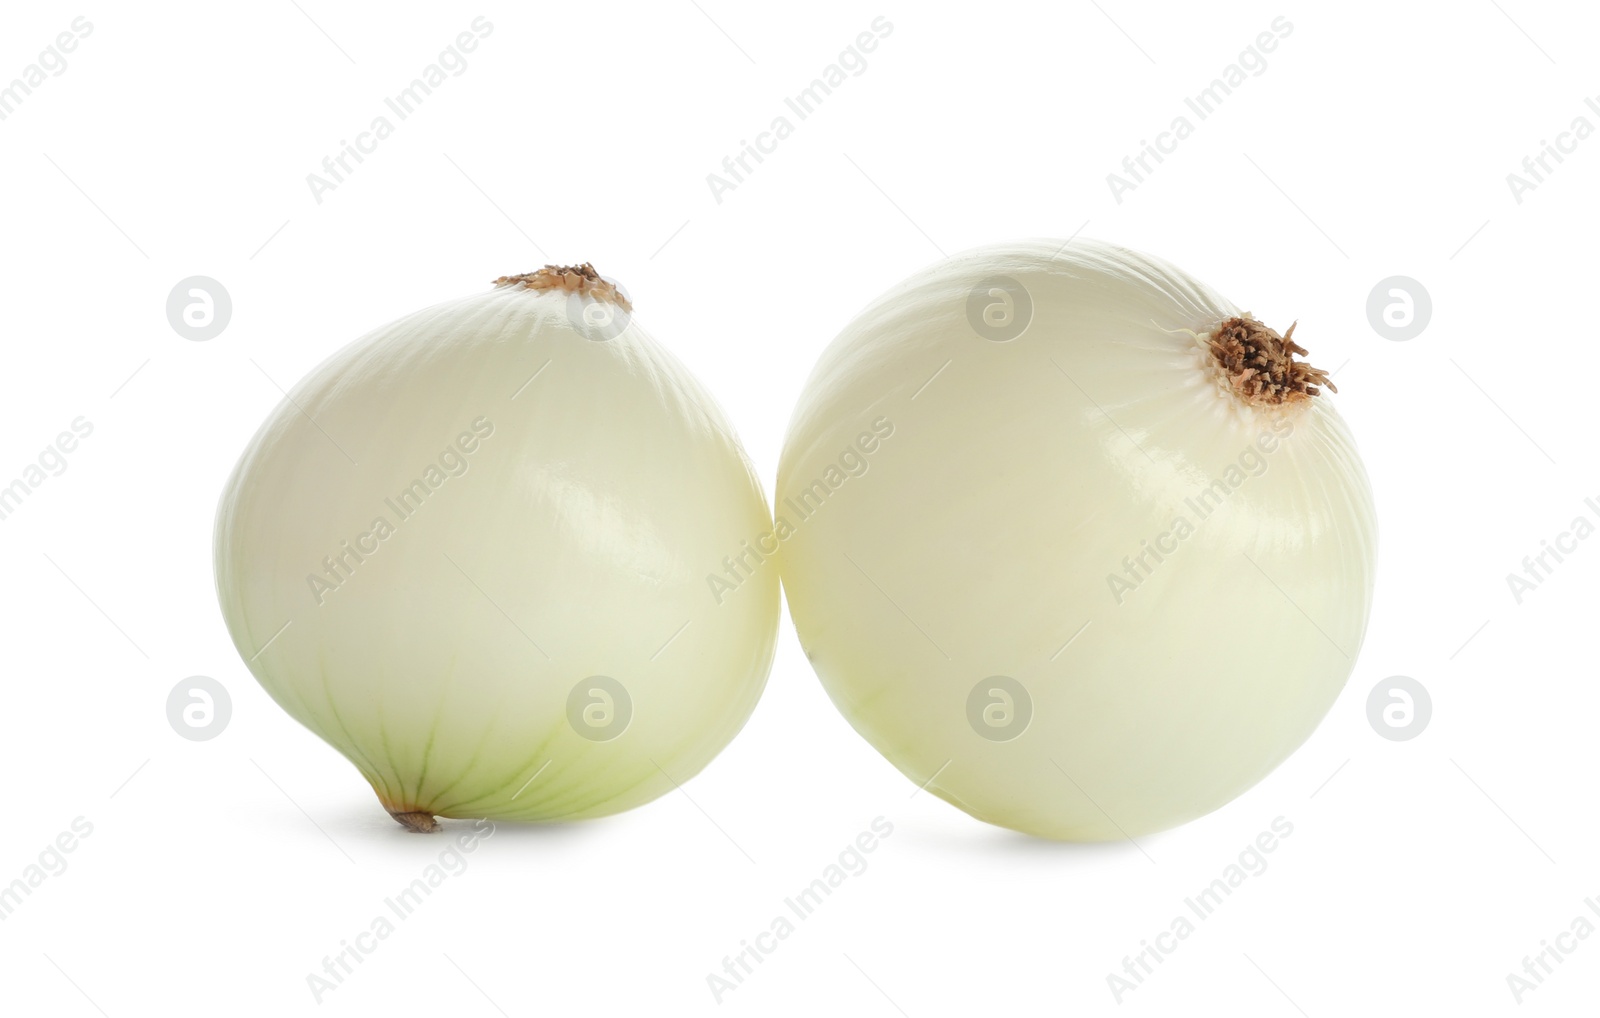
1112	564
469	552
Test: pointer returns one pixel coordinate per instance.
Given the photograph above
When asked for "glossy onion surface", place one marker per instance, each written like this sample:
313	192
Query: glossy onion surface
1040	552
471	552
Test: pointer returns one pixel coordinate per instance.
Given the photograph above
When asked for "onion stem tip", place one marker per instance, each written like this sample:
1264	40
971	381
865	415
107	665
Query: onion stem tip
1261	365
417	822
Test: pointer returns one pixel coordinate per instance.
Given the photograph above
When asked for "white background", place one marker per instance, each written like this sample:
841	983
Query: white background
1376	143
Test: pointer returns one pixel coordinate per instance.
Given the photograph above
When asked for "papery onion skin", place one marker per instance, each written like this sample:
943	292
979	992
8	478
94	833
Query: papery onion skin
1023	474
443	659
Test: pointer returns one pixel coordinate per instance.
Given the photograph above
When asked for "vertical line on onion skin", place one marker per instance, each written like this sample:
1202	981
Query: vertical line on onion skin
388	753
433	732
427	757
472	762
580	797
350	740
540	752
569	808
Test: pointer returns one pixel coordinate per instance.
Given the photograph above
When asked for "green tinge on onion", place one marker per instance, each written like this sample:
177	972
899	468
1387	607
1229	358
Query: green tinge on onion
469	552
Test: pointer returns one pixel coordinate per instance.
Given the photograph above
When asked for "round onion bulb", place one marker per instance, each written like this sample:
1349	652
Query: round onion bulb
1074	542
469	551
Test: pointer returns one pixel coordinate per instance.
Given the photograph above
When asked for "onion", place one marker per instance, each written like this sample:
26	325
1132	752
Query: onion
469	553
1114	563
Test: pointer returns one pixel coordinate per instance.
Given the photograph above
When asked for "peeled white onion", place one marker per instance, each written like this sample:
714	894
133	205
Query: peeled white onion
1101	576
470	552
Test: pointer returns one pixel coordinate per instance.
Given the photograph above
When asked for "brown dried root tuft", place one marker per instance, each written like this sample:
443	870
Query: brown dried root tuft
417	822
570	278
1261	365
